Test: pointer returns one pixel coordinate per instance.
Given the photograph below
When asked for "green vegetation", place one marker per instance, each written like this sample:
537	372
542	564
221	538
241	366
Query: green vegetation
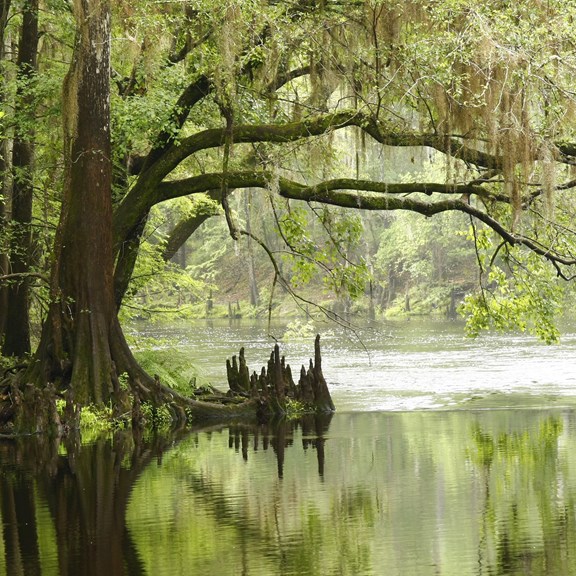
299	330
228	158
173	367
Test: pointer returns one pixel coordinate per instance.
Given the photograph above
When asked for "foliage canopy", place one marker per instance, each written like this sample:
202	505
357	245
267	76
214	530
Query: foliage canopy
279	118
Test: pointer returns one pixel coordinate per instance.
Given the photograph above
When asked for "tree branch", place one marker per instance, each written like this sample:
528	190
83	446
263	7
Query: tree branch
298	299
129	212
286	76
193	93
149	188
246	179
22	275
370	195
184	229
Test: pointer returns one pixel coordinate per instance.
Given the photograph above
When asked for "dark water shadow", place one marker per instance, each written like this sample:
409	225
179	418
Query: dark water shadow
85	488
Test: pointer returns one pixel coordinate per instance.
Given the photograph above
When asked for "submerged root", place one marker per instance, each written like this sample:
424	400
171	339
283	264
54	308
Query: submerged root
274	388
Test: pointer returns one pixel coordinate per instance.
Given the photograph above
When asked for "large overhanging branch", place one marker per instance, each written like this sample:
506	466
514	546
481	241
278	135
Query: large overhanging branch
192	94
371	195
320	124
145	192
285	76
143	195
251	179
316	126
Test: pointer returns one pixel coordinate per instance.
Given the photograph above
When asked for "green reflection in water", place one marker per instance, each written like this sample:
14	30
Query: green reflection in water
414	493
421	493
527	510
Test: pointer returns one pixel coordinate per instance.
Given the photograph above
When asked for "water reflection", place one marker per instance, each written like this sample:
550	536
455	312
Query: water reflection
450	493
64	505
279	435
526	517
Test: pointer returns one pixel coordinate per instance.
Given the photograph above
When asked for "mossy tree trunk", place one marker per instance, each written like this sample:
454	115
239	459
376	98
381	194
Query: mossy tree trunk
4	10
82	347
75	348
17	332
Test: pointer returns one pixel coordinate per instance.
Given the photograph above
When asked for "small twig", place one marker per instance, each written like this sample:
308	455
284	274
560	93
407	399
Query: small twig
498	248
298	299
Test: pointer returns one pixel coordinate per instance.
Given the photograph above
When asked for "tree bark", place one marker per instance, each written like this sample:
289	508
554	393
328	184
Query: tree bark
4	164
17	334
75	345
126	261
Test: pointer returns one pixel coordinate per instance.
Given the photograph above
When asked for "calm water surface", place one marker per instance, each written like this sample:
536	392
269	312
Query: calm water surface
480	482
400	365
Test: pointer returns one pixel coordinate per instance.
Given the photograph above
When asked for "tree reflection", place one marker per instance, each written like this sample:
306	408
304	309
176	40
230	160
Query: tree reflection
525	520
259	524
86	490
279	434
21	461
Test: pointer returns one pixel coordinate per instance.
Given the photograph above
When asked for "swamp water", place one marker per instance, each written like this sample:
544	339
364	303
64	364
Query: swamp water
445	457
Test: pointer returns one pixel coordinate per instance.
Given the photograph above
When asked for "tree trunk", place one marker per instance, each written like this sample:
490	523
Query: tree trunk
127	255
254	293
75	345
17	334
3	256
4	164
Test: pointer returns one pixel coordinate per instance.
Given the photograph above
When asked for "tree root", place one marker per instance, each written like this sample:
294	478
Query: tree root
25	408
262	396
